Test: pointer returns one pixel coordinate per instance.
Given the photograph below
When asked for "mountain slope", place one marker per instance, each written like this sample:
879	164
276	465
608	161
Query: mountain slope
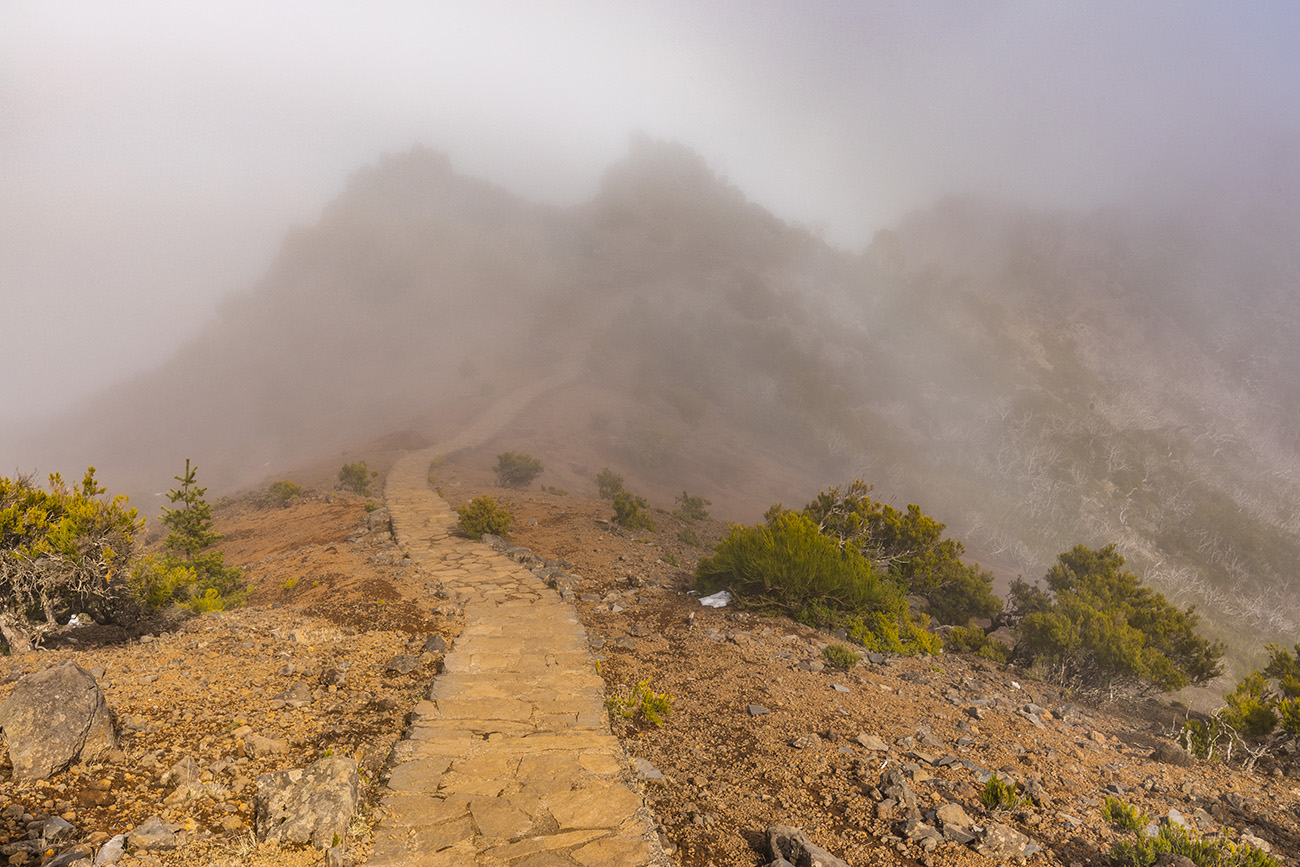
1033	379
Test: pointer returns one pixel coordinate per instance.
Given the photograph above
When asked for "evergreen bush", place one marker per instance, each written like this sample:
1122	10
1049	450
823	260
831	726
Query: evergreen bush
630	511
517	469
483	515
356	477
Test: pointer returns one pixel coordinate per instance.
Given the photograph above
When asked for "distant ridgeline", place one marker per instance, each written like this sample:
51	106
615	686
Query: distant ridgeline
1036	380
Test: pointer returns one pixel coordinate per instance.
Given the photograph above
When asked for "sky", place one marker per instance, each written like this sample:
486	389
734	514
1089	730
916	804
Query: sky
153	154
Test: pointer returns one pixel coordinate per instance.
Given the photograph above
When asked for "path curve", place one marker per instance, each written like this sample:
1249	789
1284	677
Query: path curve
510	760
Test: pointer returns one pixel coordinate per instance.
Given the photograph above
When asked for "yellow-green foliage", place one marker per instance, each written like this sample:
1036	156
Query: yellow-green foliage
159	580
283	491
999	794
356	477
517	469
192	537
62	552
840	656
1122	816
630	512
644	704
608	483
961	639
484	515
789	567
1215	850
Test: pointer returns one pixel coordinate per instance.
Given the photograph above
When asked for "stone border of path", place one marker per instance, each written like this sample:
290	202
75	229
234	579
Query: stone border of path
510	760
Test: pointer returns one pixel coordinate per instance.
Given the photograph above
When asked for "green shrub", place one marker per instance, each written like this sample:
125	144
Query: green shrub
961	639
283	491
608	484
517	469
670	558
643	705
789	567
1101	629
840	657
1170	839
688	536
356	477
483	515
1123	817
159	580
999	794
909	546
692	508
630	512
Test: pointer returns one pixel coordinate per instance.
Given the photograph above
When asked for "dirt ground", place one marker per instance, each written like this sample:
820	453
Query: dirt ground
332	605
728	775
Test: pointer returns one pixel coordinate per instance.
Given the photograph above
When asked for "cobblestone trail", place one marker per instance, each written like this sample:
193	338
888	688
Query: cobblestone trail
510	760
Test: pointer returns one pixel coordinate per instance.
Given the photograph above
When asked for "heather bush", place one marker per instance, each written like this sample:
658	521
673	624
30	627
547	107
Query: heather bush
517	469
483	515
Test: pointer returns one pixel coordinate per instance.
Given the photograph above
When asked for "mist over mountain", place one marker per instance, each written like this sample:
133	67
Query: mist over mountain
1034	379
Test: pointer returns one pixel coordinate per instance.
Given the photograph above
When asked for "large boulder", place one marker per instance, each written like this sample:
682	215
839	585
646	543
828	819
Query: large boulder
54	718
313	804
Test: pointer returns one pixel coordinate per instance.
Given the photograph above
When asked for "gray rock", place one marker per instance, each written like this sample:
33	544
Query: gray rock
646	771
953	814
110	851
793	846
873	743
313	804
54	718
403	663
806	742
757	710
76	855
1171	754
184	773
1001	841
435	644
152	834
55	830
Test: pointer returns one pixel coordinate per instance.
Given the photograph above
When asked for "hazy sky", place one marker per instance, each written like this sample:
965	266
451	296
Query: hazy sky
152	154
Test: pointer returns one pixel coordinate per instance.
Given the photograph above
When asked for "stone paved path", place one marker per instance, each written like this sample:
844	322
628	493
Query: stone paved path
510	761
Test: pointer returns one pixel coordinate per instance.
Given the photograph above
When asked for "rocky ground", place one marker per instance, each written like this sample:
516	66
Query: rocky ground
339	639
328	657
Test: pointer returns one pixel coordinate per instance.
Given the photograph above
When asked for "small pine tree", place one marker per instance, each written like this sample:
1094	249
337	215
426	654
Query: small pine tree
191	537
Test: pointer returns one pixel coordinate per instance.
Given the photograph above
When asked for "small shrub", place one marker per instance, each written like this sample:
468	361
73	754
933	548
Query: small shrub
670	558
483	515
962	639
431	475
1215	850
372	506
999	794
692	507
289	584
630	512
517	469
1122	816
159	580
840	657
688	536
555	492
608	483
644	705
283	491
356	477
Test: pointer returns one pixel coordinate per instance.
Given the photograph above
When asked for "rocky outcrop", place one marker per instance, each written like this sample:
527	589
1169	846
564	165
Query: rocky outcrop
54	718
310	805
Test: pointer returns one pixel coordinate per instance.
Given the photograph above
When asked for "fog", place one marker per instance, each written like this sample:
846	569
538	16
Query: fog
154	154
